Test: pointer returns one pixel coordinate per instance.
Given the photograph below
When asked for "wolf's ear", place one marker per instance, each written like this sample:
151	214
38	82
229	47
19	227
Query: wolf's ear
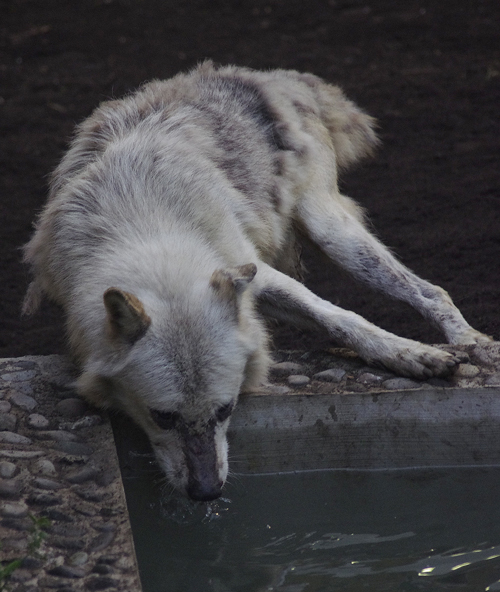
126	318
230	283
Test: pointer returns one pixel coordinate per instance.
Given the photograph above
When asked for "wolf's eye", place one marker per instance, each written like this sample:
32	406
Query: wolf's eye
224	412
165	420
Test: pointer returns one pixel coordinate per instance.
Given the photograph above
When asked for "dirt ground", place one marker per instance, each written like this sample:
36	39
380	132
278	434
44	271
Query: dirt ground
428	70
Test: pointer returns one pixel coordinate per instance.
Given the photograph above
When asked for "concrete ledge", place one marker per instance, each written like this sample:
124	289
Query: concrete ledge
367	431
344	414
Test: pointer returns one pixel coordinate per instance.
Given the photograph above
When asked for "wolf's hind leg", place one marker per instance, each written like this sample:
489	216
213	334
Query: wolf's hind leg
333	223
285	299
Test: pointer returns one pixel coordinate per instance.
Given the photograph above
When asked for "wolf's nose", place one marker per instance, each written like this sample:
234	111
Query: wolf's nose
204	493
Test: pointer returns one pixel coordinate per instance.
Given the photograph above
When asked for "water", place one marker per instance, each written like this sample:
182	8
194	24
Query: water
340	531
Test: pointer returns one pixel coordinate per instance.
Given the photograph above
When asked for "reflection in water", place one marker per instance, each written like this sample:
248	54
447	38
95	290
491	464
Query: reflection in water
338	531
442	564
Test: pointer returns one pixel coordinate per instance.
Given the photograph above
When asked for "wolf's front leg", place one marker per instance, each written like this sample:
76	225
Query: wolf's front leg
285	299
335	223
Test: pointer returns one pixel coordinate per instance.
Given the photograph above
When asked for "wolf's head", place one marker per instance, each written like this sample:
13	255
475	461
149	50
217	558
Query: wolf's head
177	367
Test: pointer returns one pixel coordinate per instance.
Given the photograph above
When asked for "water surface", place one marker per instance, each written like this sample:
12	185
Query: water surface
321	531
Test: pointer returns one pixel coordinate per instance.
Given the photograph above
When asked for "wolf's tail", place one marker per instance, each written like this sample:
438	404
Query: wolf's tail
352	131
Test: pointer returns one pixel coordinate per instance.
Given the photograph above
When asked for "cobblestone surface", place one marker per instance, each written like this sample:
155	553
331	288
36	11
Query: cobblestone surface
58	461
342	371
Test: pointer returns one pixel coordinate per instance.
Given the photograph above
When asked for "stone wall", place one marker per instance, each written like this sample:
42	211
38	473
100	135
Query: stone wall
59	469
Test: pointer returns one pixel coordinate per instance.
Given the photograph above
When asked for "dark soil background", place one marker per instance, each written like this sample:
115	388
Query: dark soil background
428	70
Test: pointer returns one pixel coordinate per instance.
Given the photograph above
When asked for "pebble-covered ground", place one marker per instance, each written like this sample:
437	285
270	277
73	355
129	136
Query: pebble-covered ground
62	507
339	370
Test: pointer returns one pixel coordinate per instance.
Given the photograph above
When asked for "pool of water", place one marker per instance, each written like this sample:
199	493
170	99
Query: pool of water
323	531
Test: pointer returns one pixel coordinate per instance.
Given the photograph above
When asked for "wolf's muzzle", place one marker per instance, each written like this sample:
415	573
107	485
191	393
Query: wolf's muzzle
204	483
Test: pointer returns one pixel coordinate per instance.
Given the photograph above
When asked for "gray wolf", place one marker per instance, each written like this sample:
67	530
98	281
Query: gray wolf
172	225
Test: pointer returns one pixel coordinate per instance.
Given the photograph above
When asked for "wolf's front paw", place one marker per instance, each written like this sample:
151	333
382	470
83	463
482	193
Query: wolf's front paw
471	337
422	361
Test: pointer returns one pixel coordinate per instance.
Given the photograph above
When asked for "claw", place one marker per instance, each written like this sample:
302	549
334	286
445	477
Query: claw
428	373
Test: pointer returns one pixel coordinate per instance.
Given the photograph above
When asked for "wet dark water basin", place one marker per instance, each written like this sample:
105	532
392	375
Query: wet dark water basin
434	529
